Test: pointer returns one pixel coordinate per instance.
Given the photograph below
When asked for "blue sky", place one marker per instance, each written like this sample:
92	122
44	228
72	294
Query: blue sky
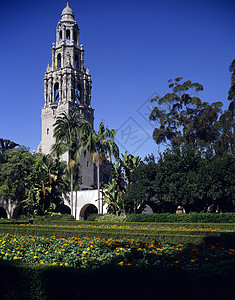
131	47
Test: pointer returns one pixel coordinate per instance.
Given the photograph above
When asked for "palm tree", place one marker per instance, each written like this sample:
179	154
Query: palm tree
129	163
6	144
67	132
100	145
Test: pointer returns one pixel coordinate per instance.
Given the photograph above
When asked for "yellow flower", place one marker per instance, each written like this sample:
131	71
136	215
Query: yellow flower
66	264
35	256
84	252
6	254
121	263
15	257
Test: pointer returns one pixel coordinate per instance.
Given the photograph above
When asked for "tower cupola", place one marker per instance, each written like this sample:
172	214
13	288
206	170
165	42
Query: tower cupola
67	13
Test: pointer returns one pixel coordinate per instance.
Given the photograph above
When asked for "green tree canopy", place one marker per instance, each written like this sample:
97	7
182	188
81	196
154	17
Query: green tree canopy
183	118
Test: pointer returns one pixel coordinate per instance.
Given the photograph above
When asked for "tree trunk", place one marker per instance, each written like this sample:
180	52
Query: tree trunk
75	206
98	186
71	195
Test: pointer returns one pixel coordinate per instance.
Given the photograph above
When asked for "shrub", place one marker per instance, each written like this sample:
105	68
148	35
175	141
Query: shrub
107	218
183	218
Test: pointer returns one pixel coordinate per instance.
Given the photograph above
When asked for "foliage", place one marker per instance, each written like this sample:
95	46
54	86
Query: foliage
15	168
99	145
183	218
30	281
94	252
107	218
45	185
183	118
185	176
141	190
6	145
231	93
114	192
158	232
67	131
112	198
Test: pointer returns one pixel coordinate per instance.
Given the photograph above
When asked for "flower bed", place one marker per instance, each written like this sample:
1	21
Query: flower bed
95	252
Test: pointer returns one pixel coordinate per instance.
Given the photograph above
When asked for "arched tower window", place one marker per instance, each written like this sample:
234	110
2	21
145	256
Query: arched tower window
56	92
75	36
60	34
76	62
67	34
59	60
78	95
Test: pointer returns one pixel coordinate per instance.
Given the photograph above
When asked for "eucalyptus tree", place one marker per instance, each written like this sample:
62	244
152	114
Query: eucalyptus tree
231	92
182	117
67	140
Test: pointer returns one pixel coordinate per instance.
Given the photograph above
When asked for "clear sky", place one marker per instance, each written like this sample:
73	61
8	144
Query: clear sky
131	48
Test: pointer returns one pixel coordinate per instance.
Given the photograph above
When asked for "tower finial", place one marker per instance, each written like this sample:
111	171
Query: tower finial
67	3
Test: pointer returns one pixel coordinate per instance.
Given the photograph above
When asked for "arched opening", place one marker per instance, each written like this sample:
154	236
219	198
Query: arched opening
63	209
3	213
147	210
59	60
87	210
67	34
76	62
60	34
75	36
56	92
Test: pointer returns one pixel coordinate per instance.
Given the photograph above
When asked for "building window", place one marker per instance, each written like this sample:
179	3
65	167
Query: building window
60	34
87	164
59	60
47	131
56	92
68	34
78	96
75	36
76	63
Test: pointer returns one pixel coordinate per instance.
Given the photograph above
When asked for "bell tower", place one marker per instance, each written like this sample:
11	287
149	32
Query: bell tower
67	84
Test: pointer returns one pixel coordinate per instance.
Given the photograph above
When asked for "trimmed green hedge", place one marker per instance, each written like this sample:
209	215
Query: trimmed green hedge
184	218
167	236
21	281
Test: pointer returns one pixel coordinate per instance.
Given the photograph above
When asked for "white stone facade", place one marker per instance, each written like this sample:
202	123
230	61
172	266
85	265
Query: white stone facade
82	201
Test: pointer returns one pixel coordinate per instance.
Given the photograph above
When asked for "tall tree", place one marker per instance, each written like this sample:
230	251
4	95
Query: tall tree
101	146
231	92
66	133
15	168
140	191
183	118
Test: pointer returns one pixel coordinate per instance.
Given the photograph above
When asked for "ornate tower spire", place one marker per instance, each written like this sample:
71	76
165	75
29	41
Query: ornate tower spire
67	84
